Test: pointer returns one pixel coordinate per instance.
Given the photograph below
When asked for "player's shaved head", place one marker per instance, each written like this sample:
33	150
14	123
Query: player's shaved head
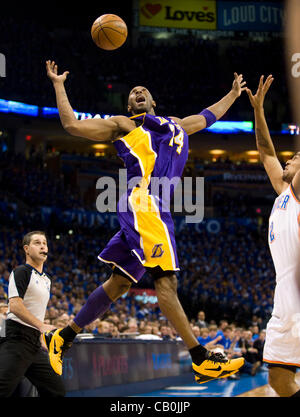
140	100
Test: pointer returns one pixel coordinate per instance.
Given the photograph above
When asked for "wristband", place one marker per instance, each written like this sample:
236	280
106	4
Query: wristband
209	117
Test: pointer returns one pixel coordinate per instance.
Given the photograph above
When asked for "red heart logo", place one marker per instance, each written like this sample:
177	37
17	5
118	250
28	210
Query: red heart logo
153	8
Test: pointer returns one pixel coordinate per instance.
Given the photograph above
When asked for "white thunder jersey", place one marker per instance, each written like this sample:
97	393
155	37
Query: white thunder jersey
283	331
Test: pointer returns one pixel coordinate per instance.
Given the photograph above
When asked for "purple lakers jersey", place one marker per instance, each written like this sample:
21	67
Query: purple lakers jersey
158	148
155	150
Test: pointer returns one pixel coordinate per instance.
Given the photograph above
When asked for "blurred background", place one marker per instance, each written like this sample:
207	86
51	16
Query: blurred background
185	53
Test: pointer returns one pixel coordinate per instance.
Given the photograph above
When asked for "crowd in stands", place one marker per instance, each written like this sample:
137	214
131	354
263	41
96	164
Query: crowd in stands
42	187
187	79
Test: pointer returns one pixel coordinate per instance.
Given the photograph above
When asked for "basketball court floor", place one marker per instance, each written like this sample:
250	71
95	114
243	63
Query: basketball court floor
245	386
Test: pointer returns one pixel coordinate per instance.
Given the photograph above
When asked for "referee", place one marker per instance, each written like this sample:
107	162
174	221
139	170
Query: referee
20	351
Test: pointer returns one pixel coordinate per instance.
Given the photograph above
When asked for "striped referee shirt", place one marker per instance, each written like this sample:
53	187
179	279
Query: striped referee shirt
33	287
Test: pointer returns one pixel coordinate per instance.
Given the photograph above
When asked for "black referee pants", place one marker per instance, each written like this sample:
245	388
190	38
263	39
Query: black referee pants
21	355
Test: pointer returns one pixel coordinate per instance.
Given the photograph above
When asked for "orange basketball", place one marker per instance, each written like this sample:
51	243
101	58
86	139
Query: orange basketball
109	31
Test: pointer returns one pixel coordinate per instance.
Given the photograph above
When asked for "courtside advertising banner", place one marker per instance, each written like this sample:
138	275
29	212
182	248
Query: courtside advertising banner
93	364
188	14
250	16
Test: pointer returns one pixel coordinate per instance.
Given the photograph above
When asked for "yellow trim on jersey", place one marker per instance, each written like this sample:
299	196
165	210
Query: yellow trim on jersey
118	266
152	230
139	143
138	115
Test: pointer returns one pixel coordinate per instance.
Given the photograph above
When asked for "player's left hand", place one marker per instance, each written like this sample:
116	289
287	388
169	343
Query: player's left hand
238	84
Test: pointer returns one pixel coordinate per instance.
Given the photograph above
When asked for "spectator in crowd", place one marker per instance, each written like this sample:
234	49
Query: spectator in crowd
104	329
197	333
147	334
259	343
227	338
222	326
130	328
238	349
201	319
166	332
92	328
255	332
204	338
249	352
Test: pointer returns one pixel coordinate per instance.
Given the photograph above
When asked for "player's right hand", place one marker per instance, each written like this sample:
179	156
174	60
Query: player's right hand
51	68
257	100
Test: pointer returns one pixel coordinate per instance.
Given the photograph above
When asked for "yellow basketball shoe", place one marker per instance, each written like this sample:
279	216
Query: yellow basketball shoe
56	346
216	366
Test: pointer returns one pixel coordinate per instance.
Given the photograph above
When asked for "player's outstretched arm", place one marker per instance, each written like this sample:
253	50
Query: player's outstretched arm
94	129
196	122
264	142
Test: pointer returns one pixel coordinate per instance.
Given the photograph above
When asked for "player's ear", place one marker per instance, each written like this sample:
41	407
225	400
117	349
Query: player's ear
153	104
129	108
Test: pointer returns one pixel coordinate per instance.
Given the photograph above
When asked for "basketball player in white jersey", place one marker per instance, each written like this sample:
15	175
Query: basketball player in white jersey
282	346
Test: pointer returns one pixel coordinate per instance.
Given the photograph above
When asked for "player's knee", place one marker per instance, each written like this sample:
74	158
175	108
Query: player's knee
120	285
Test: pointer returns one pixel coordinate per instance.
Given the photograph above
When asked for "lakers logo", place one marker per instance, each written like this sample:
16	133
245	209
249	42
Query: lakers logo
157	251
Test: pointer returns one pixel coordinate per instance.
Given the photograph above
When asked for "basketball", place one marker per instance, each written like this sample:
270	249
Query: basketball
109	32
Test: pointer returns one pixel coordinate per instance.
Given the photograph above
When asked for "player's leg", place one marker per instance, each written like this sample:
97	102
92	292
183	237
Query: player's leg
98	302
282	380
166	291
126	269
206	365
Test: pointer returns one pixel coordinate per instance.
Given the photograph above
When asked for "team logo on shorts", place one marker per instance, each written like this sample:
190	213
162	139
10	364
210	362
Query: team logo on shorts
157	251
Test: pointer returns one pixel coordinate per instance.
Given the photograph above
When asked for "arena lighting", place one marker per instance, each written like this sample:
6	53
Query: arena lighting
50	112
252	153
231	127
9	106
287	153
99	146
291	129
217	152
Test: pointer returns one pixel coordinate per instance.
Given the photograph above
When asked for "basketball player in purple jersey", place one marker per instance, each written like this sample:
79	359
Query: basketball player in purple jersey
150	146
